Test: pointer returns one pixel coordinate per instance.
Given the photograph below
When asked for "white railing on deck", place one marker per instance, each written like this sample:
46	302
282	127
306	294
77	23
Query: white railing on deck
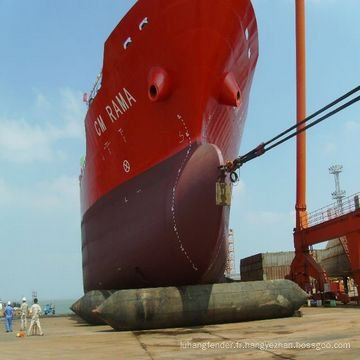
349	204
95	88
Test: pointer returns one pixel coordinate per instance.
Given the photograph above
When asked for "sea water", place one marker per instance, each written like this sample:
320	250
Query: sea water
62	307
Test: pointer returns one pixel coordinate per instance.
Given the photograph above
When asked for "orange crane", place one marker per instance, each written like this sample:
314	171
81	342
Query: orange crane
308	232
346	225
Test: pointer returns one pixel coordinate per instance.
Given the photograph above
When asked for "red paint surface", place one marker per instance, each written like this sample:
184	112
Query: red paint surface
171	181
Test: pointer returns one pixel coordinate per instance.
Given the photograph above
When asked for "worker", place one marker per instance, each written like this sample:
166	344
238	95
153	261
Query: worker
24	314
34	327
8	317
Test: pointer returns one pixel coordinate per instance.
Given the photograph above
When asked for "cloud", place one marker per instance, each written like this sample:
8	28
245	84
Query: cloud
265	217
353	126
59	194
74	113
239	188
323	3
28	140
329	148
21	142
40	101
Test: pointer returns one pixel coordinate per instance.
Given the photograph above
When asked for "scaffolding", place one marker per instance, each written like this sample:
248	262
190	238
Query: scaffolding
230	259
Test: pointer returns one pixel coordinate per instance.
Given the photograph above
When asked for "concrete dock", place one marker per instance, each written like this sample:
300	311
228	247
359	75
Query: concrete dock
321	333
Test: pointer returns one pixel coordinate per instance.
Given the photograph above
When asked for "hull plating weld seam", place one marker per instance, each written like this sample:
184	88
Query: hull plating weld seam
176	230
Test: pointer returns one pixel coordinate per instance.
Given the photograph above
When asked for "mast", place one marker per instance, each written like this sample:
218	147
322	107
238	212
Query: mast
301	114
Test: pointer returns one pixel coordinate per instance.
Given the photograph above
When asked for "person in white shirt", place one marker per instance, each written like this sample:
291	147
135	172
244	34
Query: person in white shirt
24	308
34	327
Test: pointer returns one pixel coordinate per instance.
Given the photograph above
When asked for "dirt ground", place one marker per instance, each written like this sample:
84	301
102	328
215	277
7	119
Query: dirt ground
321	333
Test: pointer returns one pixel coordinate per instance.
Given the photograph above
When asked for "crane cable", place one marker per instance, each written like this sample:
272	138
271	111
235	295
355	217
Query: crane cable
232	166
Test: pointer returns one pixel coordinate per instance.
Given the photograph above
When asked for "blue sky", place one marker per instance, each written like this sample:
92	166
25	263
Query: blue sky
51	53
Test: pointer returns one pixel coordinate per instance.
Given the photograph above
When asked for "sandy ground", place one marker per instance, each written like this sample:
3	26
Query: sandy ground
322	328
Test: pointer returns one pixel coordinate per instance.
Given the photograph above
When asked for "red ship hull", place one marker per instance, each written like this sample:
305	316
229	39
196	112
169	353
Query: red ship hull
171	107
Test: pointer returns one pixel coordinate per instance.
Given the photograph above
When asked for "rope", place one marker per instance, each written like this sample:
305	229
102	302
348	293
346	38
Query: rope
261	149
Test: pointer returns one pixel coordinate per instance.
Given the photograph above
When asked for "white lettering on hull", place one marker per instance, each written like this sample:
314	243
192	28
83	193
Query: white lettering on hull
129	97
109	111
122	102
99	125
120	105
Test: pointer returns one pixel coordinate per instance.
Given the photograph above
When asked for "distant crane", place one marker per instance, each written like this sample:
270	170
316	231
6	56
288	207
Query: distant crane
338	194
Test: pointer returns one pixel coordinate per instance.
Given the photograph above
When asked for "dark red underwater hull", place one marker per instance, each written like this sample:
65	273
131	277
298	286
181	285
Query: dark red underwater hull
153	230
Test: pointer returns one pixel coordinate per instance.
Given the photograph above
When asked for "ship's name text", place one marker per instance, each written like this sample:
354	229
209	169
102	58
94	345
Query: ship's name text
120	104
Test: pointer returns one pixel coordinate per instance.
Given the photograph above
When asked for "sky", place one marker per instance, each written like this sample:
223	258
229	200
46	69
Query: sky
51	53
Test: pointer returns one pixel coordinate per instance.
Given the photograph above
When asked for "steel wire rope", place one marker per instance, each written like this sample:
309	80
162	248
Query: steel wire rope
231	166
336	101
331	113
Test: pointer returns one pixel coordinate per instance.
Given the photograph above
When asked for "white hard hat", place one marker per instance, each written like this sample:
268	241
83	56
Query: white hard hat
9	302
24	299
